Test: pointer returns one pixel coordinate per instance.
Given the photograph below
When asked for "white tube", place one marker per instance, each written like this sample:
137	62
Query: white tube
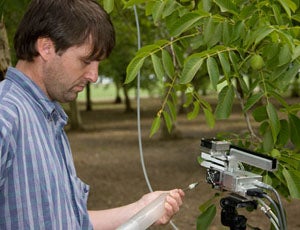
147	216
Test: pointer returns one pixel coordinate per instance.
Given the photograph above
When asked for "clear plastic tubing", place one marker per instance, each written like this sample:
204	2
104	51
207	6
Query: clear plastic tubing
147	216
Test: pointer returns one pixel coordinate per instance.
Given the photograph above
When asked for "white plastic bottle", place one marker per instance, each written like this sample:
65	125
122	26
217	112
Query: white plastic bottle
147	216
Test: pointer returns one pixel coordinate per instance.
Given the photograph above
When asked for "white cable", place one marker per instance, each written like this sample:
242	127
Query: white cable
280	221
281	209
139	112
139	105
269	213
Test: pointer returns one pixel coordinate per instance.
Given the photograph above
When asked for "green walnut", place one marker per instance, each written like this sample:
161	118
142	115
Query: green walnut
257	62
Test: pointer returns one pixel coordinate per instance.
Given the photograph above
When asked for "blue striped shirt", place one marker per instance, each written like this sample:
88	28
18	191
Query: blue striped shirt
39	188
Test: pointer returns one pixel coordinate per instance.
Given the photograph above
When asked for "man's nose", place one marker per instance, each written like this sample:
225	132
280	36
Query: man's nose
92	73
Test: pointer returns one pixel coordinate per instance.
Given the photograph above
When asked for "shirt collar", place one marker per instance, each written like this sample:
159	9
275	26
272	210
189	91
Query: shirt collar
47	106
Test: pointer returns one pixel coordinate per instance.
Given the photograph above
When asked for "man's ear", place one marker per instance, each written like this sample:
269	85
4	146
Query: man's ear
45	47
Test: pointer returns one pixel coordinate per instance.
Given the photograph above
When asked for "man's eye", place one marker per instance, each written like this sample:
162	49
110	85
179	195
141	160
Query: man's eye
86	62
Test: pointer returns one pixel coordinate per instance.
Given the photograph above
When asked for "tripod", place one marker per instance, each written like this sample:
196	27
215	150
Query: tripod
229	214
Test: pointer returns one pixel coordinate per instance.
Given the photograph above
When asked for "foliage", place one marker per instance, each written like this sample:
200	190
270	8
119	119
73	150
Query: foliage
126	46
12	11
249	49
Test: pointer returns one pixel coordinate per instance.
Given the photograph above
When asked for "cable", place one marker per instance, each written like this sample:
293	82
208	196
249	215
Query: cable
281	208
139	105
269	213
281	227
270	188
139	112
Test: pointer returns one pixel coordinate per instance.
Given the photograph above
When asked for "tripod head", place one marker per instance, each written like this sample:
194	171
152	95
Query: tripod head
229	214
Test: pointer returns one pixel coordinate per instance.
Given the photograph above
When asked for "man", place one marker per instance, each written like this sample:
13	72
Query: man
59	44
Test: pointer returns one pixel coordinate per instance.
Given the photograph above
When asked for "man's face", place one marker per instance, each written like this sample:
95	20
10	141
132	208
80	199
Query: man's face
66	75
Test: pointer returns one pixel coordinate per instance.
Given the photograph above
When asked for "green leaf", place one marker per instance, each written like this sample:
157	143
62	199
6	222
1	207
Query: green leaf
284	56
155	125
194	113
275	153
168	121
286	39
225	64
267	179
225	102
184	23
108	5
206	218
213	71
277	14
262	33
291	161
268	142
168	63
296	52
206	5
147	50
227	6
274	121
285	80
162	42
260	114
284	134
189	100
157	65
191	67
209	29
238	31
172	109
179	54
243	84
157	10
133	68
209	117
259	35
288	5
253	100
134	2
292	178
227	32
279	97
294	129
204	206
234	61
169	8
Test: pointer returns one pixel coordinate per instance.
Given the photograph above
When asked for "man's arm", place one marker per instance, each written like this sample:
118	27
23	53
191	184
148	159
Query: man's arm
113	218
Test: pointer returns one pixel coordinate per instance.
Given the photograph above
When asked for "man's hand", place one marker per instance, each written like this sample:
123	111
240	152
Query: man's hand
173	201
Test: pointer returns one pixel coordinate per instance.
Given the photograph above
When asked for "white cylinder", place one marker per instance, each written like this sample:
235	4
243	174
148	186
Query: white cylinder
147	216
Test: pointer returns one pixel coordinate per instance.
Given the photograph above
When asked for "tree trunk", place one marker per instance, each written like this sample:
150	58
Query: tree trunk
5	59
75	118
118	99
128	107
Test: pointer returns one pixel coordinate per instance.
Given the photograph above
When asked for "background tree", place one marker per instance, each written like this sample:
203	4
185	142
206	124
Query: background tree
126	46
4	50
10	12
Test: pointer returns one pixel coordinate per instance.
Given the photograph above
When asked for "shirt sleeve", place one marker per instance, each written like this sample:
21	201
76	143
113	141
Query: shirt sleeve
6	149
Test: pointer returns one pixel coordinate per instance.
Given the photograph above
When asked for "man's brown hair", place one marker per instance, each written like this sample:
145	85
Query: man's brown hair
67	23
